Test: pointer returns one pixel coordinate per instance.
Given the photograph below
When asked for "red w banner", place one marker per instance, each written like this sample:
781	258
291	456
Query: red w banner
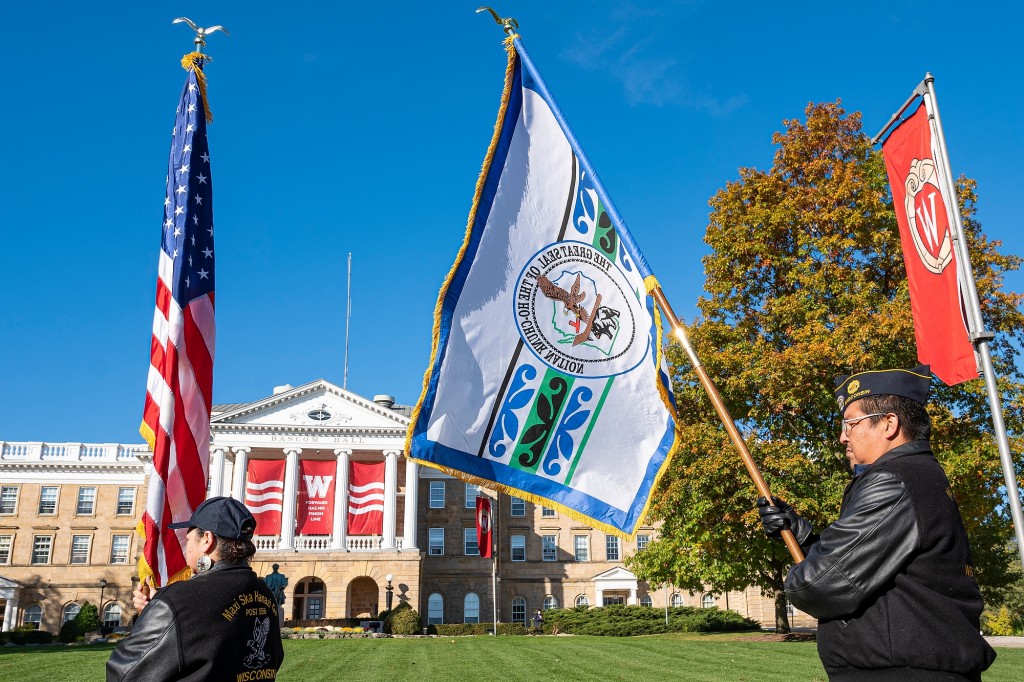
483	526
316	497
366	499
924	216
264	494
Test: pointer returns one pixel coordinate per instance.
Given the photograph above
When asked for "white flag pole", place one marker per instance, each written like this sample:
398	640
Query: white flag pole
978	335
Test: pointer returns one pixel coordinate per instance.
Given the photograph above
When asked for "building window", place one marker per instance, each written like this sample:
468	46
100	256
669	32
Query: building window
547	512
86	500
472	492
119	549
435	542
550	545
707	601
126	501
8	499
646	601
79	549
677	599
112	615
642	541
41	549
582	600
33	616
519	610
435	609
48	499
70	611
518	548
472	548
611	547
550	602
518	506
581	547
437	494
471	608
5	549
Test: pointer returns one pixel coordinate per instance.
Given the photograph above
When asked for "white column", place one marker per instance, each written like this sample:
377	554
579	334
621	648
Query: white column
632	597
239	471
412	489
10	613
599	597
338	535
217	472
390	498
291	493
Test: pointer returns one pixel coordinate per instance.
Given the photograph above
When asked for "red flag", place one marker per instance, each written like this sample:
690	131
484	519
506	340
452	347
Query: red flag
179	390
264	494
483	525
923	213
366	499
316	497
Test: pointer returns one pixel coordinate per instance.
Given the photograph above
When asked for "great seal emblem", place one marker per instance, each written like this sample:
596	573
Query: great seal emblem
576	311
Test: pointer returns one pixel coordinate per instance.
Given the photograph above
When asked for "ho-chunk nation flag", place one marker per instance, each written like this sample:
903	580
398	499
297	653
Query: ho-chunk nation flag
179	390
914	165
547	379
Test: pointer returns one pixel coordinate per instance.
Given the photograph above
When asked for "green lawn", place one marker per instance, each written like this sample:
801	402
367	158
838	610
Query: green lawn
506	659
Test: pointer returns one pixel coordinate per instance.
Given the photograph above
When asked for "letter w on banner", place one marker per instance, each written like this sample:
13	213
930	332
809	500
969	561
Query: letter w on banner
547	379
366	499
316	497
264	494
923	214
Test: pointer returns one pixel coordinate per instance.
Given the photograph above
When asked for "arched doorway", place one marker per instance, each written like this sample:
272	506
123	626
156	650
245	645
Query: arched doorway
309	599
363	598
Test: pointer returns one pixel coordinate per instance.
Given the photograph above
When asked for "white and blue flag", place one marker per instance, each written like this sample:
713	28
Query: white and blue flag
547	378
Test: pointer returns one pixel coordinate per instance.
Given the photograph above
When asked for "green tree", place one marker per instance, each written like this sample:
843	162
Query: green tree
806	281
87	620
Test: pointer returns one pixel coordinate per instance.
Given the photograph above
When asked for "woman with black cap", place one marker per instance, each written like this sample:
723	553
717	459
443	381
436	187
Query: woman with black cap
220	624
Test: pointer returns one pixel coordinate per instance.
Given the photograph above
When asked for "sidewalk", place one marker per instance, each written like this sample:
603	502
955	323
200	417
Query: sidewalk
1011	642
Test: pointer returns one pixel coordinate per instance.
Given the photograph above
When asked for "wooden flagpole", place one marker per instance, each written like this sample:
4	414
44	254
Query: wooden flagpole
723	413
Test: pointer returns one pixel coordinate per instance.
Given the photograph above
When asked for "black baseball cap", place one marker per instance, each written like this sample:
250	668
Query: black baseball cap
222	516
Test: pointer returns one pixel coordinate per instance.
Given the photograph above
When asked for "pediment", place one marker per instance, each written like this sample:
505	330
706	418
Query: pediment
617	573
319	404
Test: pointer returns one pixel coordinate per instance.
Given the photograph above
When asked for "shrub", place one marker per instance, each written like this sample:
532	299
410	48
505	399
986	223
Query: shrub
68	632
19	636
511	629
627	621
87	620
405	622
454	629
998	623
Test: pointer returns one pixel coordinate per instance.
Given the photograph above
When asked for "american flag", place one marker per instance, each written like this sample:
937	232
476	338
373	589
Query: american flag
176	420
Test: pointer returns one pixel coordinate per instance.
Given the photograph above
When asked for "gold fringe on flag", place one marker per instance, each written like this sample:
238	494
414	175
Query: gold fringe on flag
194	61
147	572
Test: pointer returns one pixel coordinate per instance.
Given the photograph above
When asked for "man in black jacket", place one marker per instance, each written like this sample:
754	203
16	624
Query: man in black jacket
220	624
891	582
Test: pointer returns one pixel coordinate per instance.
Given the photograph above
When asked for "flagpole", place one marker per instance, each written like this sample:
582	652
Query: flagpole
494	559
979	336
348	318
723	413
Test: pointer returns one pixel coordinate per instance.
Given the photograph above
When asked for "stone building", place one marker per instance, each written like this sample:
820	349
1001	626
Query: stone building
68	513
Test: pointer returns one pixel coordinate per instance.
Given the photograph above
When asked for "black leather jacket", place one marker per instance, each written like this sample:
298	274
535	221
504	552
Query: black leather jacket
220	625
892	581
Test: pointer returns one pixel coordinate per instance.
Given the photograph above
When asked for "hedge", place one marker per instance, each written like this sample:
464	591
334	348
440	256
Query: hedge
457	629
626	621
26	637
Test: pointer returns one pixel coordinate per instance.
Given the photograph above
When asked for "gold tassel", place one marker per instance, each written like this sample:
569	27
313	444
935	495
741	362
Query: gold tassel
194	61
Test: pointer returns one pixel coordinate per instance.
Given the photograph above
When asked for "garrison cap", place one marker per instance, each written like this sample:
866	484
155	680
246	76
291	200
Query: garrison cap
222	516
909	383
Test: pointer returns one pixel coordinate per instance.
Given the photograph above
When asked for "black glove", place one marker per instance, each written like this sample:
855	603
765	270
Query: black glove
779	516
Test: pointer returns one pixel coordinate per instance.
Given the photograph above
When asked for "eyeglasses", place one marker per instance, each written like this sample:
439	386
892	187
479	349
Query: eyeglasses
850	423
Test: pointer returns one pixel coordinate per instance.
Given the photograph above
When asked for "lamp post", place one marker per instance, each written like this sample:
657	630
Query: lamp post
103	586
390	591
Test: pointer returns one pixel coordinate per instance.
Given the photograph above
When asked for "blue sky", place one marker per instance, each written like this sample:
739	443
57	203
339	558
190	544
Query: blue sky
361	128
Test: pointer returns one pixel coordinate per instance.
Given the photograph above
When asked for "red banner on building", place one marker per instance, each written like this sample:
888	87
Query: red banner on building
923	214
366	499
315	513
483	526
264	494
